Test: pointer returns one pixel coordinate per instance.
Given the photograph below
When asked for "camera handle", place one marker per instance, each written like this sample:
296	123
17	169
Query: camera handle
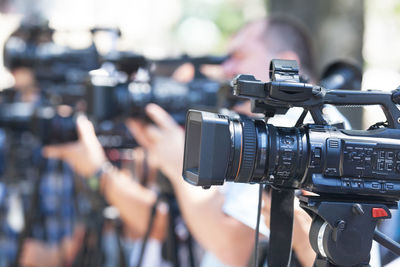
342	231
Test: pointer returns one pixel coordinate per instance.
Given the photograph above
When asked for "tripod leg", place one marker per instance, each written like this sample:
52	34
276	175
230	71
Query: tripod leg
387	242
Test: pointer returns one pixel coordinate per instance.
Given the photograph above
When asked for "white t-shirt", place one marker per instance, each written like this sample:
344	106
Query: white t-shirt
152	254
241	202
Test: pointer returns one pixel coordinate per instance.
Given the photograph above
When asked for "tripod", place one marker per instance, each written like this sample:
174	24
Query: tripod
342	229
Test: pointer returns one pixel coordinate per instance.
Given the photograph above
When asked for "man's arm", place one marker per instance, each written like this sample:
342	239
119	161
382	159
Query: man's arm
300	242
228	239
133	201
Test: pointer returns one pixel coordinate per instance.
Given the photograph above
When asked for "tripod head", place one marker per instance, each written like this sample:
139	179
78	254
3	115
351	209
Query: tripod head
342	231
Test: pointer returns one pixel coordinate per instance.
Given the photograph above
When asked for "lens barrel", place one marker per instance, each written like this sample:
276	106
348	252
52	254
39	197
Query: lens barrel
242	150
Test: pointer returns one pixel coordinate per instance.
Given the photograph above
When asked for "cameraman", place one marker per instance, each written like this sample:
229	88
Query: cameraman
62	248
222	222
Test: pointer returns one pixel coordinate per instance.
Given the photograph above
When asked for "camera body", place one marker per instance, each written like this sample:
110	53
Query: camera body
118	94
60	81
121	88
316	157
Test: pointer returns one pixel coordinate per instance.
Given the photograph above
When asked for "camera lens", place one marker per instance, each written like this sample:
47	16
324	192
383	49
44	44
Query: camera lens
219	147
242	150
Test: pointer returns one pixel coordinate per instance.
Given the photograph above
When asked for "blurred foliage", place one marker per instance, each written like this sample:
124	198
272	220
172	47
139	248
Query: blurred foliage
228	15
397	8
229	19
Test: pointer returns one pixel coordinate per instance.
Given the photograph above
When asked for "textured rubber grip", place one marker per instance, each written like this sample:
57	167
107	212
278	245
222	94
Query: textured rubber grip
249	144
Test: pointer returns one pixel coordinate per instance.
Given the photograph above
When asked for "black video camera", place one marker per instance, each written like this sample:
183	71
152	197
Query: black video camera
315	157
121	88
355	173
60	75
114	94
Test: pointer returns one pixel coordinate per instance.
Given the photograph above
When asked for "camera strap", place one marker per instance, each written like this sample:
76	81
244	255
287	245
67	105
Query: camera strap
148	231
256	248
281	228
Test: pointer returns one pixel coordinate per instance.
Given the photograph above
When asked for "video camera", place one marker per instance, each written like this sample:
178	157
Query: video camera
355	173
117	95
121	88
61	74
316	157
57	69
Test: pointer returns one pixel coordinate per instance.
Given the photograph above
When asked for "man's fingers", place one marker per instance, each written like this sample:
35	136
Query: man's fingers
26	255
85	128
58	151
267	202
54	152
153	132
160	117
139	132
266	209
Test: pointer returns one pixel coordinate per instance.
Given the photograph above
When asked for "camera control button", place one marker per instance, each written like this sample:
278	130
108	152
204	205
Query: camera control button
381	166
398	167
389	186
379	213
389	166
346	184
317	152
375	185
357	184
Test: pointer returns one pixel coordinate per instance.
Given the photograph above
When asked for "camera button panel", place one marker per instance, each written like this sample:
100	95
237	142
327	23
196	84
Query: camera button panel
371	161
354	185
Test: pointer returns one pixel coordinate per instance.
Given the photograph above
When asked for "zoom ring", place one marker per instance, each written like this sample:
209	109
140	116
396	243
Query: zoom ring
249	151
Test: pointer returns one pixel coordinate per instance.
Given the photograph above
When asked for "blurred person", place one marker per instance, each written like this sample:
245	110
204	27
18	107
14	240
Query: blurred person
54	203
222	222
25	84
220	226
17	55
133	201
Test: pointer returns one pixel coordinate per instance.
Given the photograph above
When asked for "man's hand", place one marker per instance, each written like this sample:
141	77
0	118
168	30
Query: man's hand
86	155
38	254
164	140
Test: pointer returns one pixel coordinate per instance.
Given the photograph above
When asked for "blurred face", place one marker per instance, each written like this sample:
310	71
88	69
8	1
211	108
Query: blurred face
249	53
25	84
24	80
